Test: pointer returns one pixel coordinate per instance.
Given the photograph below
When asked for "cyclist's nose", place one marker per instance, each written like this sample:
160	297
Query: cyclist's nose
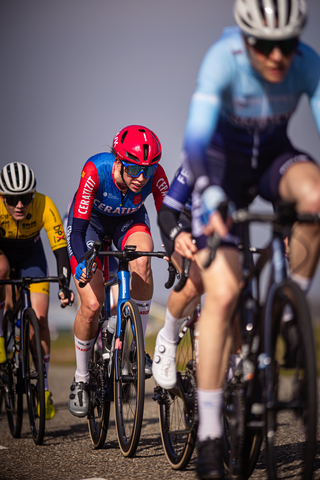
276	54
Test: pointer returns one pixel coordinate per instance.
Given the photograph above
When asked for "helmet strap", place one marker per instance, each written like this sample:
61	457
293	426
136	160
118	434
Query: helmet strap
122	176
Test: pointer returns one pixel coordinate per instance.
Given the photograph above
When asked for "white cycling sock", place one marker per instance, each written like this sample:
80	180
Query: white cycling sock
170	330
209	407
305	284
83	353
1	317
144	309
46	362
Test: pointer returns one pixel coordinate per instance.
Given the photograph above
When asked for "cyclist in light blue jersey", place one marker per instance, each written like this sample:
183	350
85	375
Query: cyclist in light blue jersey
249	84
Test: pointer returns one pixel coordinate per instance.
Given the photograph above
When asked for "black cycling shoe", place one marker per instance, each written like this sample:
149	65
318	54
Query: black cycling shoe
210	464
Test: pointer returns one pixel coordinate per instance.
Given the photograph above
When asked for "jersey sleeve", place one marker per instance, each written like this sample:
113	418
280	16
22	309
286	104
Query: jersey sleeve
53	225
160	186
88	186
85	195
174	202
313	84
213	79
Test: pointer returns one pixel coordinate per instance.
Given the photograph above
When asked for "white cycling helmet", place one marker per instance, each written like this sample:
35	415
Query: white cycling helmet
271	19
17	178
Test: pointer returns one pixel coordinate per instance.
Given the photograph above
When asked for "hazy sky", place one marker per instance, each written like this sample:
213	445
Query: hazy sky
74	72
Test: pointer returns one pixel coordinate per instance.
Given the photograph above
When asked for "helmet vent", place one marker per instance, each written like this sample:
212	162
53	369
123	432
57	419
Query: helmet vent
123	136
145	151
157	158
132	157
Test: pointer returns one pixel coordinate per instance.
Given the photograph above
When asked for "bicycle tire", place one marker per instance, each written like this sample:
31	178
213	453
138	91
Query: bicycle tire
287	410
241	445
34	375
129	387
178	424
99	404
13	394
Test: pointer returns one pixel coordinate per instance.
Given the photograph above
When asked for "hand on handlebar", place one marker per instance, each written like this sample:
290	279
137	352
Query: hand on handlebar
216	225
81	272
66	299
185	245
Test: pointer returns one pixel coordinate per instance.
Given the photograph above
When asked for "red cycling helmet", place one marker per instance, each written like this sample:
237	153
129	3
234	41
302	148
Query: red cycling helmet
137	144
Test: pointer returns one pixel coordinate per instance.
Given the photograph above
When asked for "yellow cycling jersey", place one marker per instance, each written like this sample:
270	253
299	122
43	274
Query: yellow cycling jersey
42	213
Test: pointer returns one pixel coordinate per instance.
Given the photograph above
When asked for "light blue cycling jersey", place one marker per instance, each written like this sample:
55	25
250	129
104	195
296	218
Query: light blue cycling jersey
238	113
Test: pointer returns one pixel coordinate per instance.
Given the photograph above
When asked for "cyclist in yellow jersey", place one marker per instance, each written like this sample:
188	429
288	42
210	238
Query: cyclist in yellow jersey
23	213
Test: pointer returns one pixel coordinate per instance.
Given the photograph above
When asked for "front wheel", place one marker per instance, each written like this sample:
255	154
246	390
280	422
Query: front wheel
13	391
129	380
34	379
291	389
99	406
178	414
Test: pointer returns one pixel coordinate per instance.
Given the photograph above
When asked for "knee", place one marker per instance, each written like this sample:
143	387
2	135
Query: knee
142	269
4	268
223	299
311	199
90	310
192	290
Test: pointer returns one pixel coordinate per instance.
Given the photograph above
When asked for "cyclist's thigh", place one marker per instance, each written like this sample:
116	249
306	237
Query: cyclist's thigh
128	226
222	278
93	292
36	266
275	176
29	260
4	265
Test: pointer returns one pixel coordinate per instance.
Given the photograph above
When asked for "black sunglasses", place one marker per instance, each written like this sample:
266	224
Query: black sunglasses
13	200
266	46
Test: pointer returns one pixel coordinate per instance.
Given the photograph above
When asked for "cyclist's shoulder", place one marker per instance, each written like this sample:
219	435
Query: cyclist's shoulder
160	180
105	159
40	202
305	69
227	47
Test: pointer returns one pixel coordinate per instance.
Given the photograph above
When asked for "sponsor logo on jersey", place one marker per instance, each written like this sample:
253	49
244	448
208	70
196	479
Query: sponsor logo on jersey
27	226
109	210
86	195
162	186
126	225
59	233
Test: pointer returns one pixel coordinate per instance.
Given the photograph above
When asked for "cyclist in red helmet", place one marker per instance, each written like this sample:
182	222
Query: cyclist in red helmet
110	201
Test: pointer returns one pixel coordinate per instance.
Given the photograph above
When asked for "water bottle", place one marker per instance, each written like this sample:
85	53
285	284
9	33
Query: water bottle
108	328
17	331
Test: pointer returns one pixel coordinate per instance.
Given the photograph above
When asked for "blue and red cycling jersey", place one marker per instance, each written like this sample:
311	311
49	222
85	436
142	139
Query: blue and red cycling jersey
99	201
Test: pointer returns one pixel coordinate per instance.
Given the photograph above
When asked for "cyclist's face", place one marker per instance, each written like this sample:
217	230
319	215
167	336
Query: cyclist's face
273	67
17	212
133	183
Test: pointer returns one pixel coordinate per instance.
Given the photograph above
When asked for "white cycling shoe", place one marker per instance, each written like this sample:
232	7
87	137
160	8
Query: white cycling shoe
164	363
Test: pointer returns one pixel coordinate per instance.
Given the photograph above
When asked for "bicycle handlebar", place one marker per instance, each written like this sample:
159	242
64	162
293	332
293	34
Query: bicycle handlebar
127	254
284	217
27	281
